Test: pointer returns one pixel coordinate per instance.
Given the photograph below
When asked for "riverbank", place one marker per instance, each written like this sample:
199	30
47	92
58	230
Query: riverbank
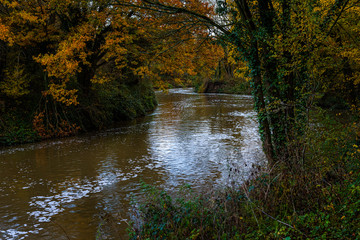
72	184
230	86
98	110
317	199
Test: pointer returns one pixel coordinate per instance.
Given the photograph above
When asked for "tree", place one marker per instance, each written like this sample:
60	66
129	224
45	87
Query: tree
278	39
62	53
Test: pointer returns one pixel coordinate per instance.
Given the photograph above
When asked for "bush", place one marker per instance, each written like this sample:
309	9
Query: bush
15	129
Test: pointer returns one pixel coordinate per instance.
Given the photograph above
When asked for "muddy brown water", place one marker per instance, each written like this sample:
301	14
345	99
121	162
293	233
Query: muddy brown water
61	189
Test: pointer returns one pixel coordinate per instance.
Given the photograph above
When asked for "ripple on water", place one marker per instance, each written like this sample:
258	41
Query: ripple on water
190	138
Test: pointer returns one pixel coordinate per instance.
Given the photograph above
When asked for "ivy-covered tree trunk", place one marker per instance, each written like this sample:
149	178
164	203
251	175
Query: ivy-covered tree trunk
257	83
270	66
260	106
280	87
273	91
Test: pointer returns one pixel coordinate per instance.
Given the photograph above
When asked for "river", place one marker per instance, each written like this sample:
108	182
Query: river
61	189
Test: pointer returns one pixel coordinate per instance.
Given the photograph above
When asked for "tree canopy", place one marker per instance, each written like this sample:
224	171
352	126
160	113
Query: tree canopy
64	52
294	51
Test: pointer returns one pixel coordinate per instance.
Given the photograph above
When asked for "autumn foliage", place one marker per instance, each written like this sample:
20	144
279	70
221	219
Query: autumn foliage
74	65
67	52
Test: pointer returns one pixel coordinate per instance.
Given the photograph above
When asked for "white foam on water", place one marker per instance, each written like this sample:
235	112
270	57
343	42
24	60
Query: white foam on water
46	207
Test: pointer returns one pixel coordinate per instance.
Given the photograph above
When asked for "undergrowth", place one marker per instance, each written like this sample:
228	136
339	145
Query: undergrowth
104	106
317	197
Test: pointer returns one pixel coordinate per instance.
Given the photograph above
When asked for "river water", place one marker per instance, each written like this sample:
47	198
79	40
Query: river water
62	189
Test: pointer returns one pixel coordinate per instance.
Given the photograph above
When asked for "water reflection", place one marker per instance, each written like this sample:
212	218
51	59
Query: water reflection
61	188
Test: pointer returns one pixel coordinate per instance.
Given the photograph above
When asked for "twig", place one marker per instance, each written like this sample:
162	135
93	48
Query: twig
279	221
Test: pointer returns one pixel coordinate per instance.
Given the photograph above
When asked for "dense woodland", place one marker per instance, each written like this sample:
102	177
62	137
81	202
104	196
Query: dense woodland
69	66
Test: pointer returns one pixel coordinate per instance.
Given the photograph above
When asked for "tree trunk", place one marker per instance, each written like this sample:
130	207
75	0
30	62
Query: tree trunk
260	106
84	78
257	81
